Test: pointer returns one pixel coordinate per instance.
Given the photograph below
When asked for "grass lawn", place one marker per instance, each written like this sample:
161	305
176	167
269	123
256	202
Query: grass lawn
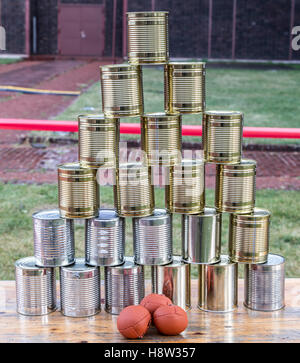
18	202
268	97
9	60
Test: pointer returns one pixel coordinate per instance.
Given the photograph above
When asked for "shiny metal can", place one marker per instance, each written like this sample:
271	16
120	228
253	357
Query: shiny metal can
98	141
78	191
264	284
185	191
35	288
105	239
161	138
201	237
222	136
53	237
134	192
185	87
174	281
249	236
152	238
235	187
122	90
80	290
124	286
218	286
148	38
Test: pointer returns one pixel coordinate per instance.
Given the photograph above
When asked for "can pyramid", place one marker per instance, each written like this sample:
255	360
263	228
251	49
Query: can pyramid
161	135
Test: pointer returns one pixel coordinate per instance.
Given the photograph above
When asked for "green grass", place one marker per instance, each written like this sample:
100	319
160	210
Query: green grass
9	60
18	202
268	97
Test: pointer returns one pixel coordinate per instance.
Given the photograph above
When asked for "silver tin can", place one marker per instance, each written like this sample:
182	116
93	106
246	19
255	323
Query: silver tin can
152	238
174	281
124	286
53	239
218	286
264	284
201	237
35	288
105	239
80	290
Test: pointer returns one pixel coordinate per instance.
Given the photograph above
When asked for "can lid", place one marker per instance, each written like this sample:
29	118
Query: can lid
47	214
127	265
187	65
106	218
224	261
75	169
96	118
79	266
273	260
207	212
258	213
28	263
223	114
177	262
161	116
159	216
244	164
120	68
138	14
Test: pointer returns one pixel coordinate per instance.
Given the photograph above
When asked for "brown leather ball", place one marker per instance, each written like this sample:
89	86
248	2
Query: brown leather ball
170	320
153	301
134	321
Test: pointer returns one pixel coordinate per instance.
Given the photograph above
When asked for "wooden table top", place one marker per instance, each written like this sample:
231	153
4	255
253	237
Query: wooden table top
243	325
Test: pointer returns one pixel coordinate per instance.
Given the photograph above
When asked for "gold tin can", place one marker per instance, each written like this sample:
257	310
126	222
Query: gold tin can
148	38
235	187
122	90
249	236
222	136
185	87
78	192
161	138
186	190
134	192
98	141
218	286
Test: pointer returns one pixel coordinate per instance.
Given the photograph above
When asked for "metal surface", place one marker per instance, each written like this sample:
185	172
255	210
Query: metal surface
116	82
185	192
249	236
134	193
235	187
78	191
53	239
185	87
222	136
80	290
124	286
201	237
161	138
218	286
35	288
264	284
148	38
105	239
174	281
98	141
152	238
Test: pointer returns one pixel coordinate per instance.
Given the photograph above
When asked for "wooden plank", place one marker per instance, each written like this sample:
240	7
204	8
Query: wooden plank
240	326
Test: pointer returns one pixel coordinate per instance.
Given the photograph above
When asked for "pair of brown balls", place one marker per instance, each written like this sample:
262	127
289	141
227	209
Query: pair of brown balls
134	321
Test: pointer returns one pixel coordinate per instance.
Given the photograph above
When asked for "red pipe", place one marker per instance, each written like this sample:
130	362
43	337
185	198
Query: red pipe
130	128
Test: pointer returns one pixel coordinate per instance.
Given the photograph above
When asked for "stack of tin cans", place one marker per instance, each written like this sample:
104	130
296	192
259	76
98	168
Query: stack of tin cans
105	239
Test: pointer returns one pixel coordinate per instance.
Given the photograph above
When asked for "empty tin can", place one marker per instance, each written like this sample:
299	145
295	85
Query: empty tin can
152	238
201	237
35	288
185	87
174	281
148	39
249	236
235	187
98	141
80	290
124	286
122	90
218	286
185	192
222	136
161	138
78	191
134	192
264	284
105	239
53	239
